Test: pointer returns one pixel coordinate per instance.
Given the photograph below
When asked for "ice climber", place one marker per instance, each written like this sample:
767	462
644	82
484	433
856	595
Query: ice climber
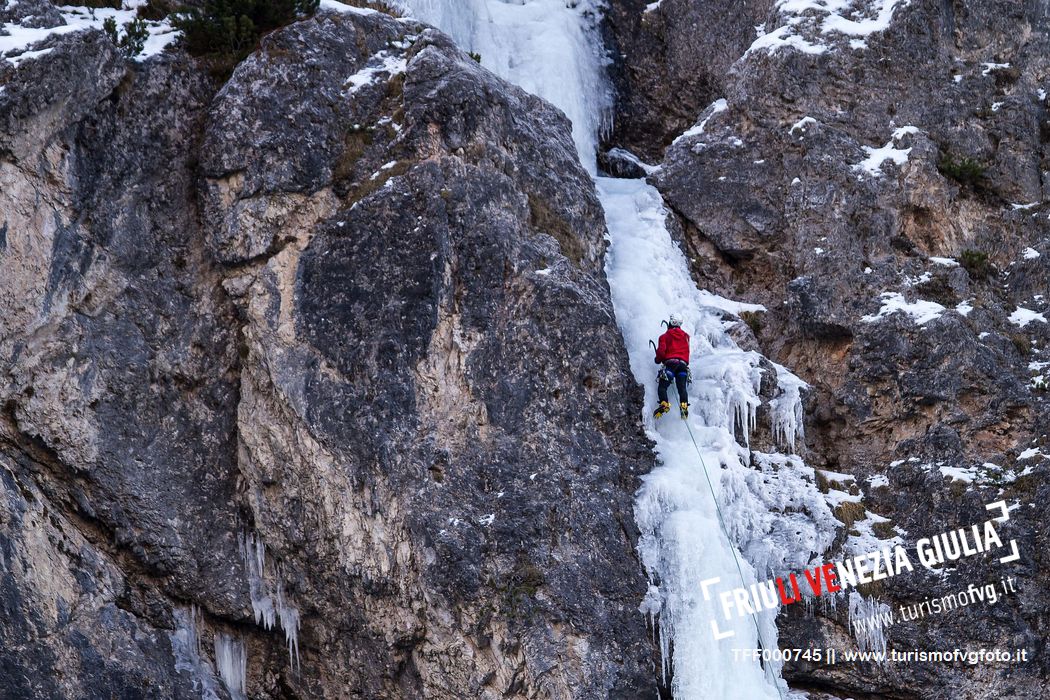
673	353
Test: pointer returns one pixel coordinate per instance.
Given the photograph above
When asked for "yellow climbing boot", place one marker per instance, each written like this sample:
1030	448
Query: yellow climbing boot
663	408
684	408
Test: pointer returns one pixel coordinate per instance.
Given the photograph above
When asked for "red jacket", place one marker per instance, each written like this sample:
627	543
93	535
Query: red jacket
674	345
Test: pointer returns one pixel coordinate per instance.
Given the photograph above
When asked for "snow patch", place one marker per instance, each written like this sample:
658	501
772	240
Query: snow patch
1030	254
840	477
866	540
336	6
986	474
805	20
836	497
920	311
858	23
964	474
28	56
719	302
921	279
1022	317
946	262
16	40
801	124
383	64
719	105
784	37
872	165
19	38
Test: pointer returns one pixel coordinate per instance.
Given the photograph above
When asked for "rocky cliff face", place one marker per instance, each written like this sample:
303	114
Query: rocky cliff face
294	393
875	175
669	60
311	381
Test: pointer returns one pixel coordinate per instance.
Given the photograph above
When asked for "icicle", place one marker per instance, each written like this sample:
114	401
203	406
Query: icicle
254	553
186	647
270	609
289	617
866	622
232	662
786	414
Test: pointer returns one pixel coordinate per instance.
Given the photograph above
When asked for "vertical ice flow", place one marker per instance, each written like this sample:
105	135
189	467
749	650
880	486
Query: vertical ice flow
681	542
547	47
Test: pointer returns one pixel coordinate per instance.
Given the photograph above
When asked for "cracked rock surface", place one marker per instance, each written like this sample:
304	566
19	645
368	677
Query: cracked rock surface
285	376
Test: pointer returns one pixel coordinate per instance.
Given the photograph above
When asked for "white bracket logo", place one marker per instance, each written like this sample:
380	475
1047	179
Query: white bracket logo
704	586
1002	519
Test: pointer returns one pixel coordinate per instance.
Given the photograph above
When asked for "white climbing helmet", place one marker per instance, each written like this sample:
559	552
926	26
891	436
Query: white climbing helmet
674	321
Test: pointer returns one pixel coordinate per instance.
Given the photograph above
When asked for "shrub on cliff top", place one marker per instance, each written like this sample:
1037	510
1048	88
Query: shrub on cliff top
131	40
229	30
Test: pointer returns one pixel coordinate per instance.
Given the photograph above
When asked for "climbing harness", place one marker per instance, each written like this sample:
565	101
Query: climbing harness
667	374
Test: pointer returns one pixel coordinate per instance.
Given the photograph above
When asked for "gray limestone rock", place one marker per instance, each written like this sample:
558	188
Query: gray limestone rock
286	375
832	186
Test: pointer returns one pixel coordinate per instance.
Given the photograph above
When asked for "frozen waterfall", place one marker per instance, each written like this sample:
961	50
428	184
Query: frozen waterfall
547	47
